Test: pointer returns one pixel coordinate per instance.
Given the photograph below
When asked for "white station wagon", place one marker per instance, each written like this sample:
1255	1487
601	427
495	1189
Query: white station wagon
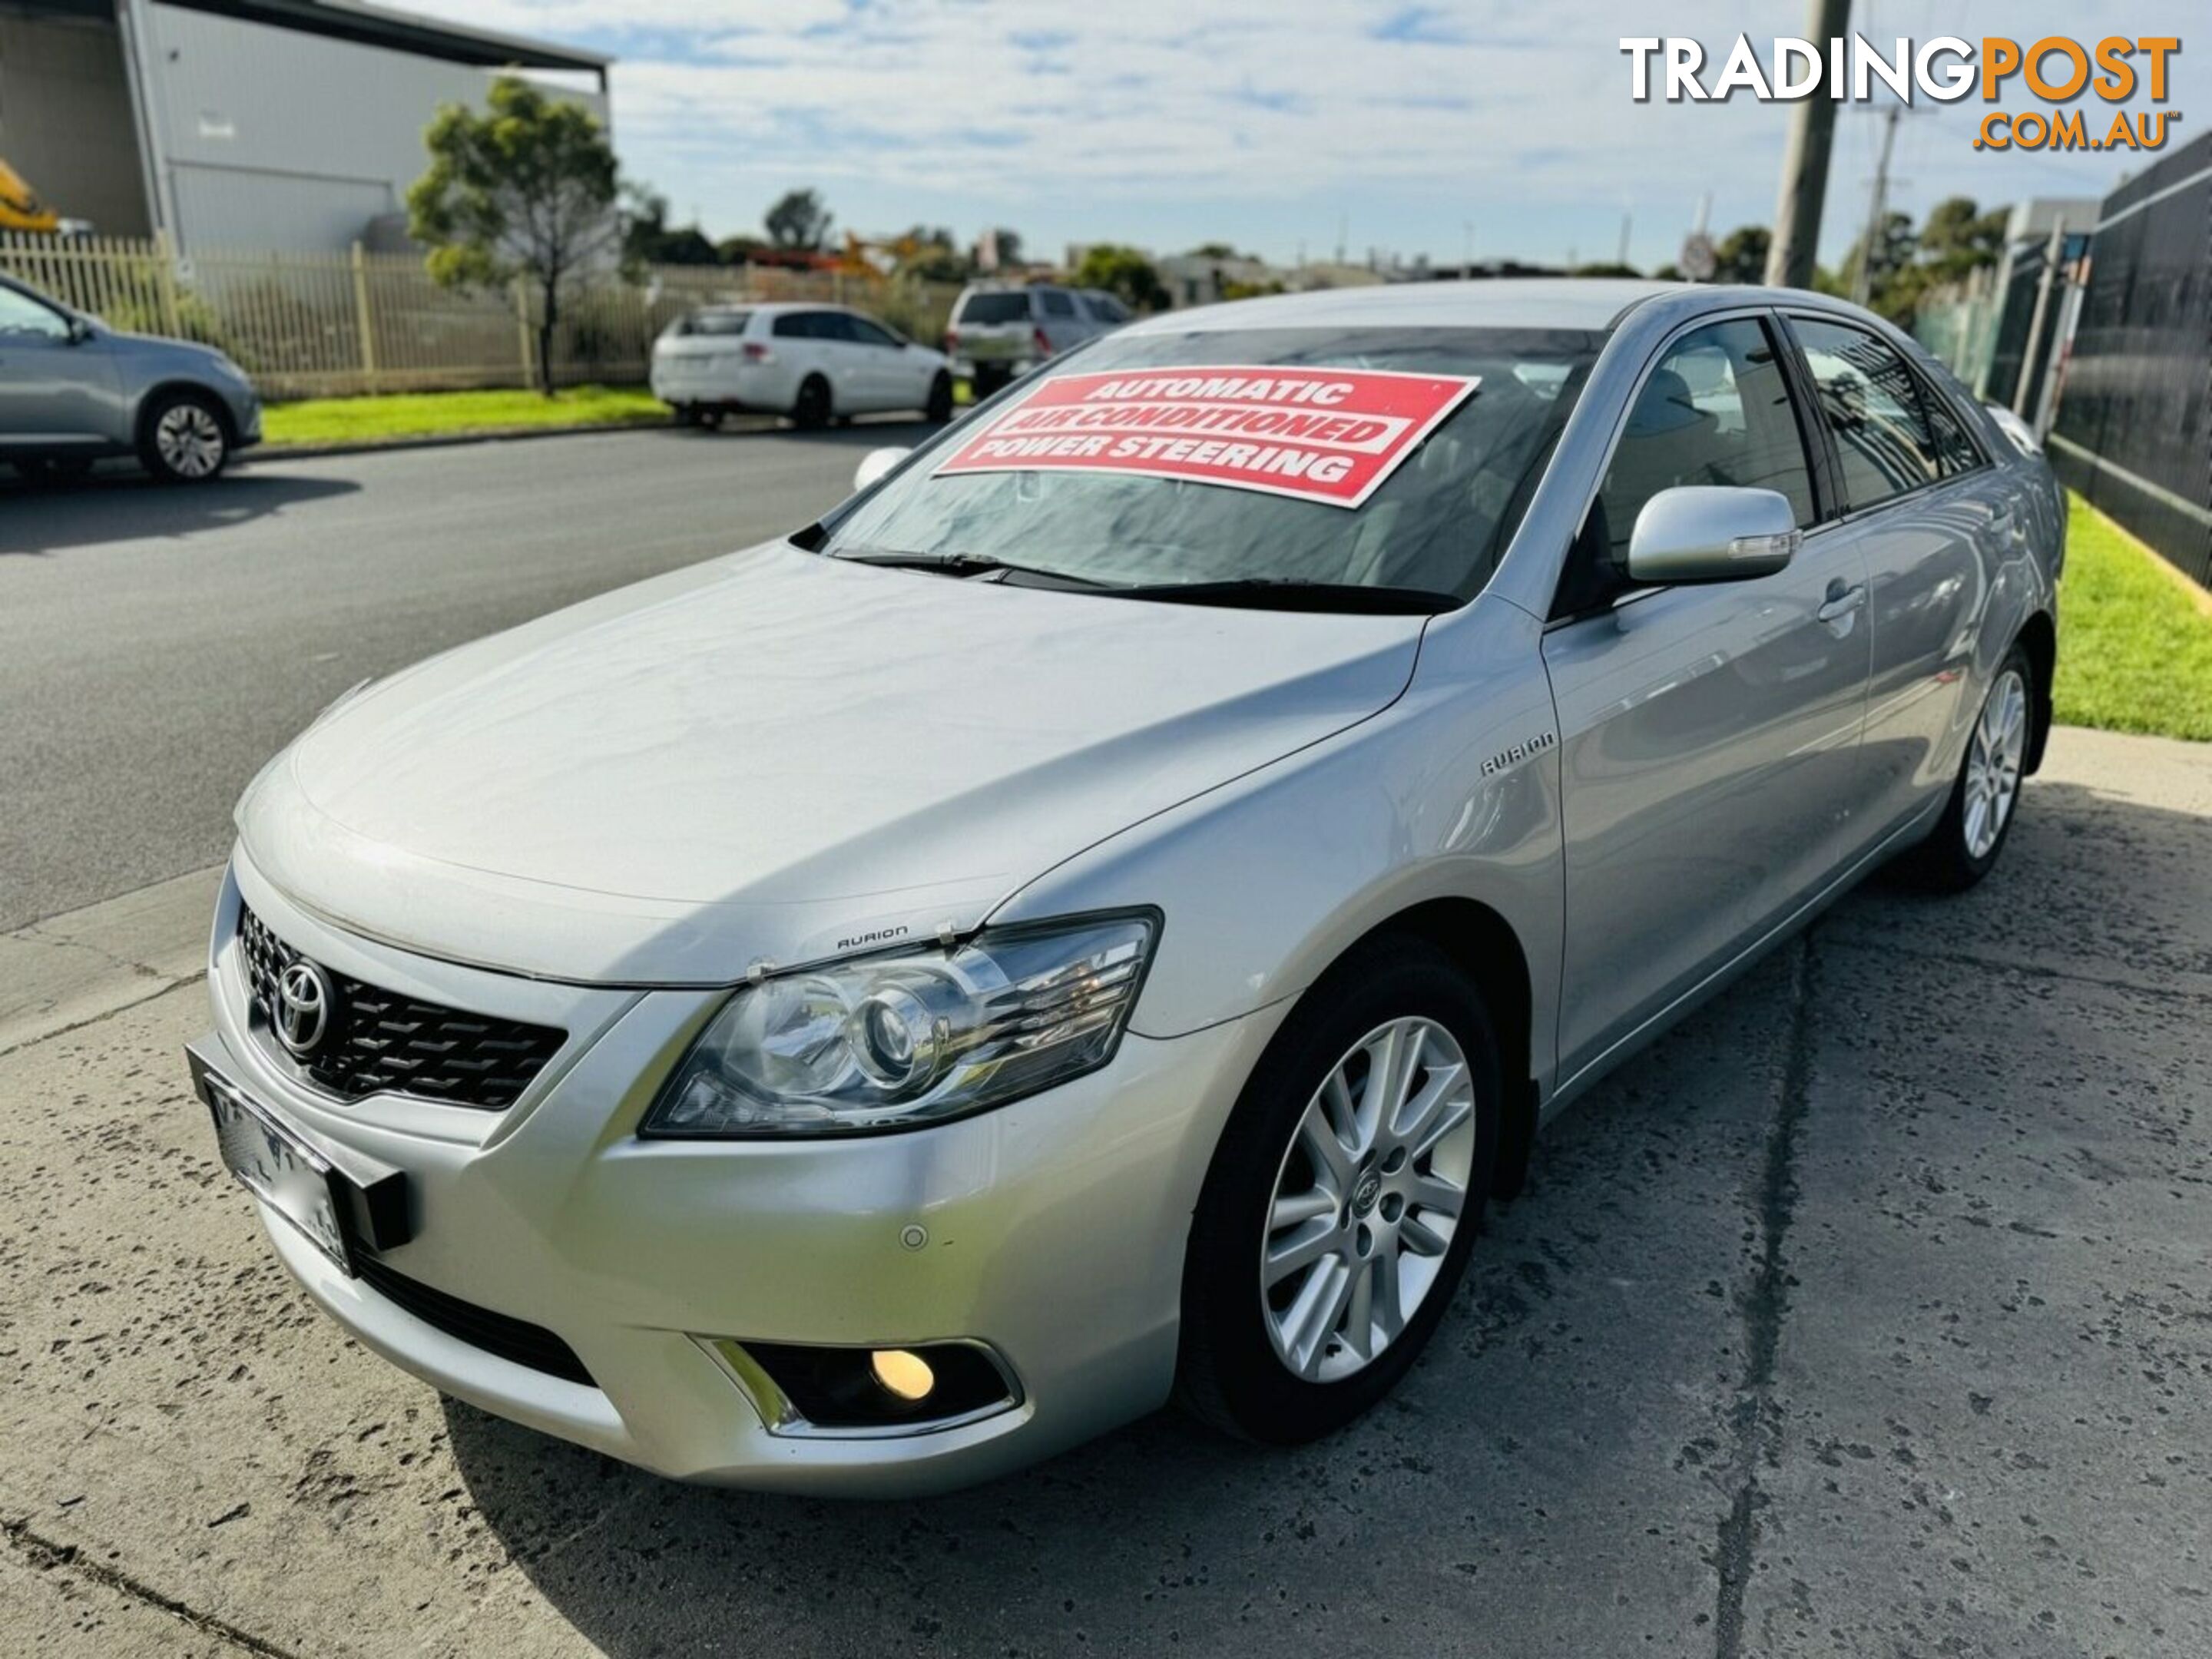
1096	917
815	363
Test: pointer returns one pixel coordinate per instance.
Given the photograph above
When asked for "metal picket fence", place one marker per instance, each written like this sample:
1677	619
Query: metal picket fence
327	324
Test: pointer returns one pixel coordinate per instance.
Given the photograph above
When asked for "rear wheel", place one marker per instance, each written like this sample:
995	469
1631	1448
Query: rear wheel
1343	1201
987	380
1985	796
812	409
938	408
184	438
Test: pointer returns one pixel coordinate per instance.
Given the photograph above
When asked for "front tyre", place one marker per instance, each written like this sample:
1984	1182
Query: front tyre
184	438
938	408
1985	795
1344	1199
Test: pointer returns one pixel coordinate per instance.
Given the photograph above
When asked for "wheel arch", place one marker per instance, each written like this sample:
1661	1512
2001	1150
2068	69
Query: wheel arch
153	397
1482	945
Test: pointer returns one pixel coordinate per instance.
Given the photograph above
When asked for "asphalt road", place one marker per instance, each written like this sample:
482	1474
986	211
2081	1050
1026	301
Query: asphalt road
1866	1315
157	644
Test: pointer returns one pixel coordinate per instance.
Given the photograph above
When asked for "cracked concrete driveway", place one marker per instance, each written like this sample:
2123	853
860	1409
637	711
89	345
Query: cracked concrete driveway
1867	1313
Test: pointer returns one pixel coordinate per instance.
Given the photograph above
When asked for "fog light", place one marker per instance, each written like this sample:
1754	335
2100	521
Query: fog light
802	1390
902	1374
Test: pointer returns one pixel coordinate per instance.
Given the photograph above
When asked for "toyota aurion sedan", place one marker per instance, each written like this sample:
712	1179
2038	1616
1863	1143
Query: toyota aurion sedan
1096	917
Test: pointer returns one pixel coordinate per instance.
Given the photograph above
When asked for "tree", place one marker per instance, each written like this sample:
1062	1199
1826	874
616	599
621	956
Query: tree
649	239
525	191
1742	255
1009	245
1958	238
1123	272
1214	251
798	220
1893	286
1606	268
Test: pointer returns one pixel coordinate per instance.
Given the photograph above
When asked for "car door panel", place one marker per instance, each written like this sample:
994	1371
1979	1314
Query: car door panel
1709	734
1932	528
882	372
56	390
1709	741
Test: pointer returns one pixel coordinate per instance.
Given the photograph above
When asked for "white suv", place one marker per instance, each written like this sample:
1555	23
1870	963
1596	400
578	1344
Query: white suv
812	362
998	331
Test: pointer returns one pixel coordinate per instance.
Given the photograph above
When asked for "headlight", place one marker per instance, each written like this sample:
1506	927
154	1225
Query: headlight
914	1037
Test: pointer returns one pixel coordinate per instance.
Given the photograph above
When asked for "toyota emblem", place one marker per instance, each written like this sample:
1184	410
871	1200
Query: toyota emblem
305	1003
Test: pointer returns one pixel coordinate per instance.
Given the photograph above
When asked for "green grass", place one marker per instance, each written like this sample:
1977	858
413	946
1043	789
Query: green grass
451	414
2135	646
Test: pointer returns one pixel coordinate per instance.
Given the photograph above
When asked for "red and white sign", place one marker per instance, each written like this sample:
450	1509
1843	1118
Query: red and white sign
1319	434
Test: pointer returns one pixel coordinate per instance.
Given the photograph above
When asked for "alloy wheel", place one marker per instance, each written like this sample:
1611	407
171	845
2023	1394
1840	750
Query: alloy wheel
1367	1198
1993	763
190	441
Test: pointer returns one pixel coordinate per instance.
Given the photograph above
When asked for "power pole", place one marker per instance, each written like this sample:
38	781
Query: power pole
1627	222
1797	241
1877	207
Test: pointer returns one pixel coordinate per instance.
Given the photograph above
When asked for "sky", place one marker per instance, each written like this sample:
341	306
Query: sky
1284	127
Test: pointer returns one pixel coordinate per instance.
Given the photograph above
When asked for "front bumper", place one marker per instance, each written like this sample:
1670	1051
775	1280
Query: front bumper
244	417
1051	1230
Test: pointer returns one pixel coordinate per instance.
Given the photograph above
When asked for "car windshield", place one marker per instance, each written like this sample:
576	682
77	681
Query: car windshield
712	322
984	309
1437	523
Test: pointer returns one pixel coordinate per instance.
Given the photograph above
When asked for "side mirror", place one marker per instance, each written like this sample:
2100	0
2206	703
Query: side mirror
1710	533
875	464
79	330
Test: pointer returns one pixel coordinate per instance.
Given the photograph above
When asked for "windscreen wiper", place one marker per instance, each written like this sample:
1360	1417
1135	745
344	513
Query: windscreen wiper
971	564
1298	594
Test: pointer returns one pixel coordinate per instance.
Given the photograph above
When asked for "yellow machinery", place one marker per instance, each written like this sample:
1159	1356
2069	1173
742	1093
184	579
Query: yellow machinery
20	206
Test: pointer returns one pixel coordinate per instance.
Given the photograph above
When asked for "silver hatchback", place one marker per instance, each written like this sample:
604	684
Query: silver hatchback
73	390
1096	917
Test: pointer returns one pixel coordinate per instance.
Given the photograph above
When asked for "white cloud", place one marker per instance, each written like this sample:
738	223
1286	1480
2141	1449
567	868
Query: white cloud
1412	115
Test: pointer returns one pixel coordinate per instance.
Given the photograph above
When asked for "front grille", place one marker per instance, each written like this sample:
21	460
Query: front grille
378	1039
516	1341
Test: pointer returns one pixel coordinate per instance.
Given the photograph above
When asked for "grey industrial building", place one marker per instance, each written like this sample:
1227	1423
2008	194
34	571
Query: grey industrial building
276	125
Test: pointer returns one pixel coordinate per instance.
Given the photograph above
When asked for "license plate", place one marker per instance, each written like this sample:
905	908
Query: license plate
278	1168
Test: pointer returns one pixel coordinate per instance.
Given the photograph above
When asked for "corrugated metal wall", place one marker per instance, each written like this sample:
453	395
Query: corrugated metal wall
2135	424
282	140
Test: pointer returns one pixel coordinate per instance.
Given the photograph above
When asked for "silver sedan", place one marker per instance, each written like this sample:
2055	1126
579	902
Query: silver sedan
1096	918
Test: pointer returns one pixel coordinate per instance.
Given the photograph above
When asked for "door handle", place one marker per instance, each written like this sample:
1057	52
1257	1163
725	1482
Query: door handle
1842	600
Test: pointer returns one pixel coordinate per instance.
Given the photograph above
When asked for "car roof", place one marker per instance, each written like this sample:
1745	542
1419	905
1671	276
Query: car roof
1594	303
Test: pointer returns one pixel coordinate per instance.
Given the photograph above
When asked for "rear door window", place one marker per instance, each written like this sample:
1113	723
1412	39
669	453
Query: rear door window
997	306
1055	302
1715	409
869	334
1956	452
1871	402
714	322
